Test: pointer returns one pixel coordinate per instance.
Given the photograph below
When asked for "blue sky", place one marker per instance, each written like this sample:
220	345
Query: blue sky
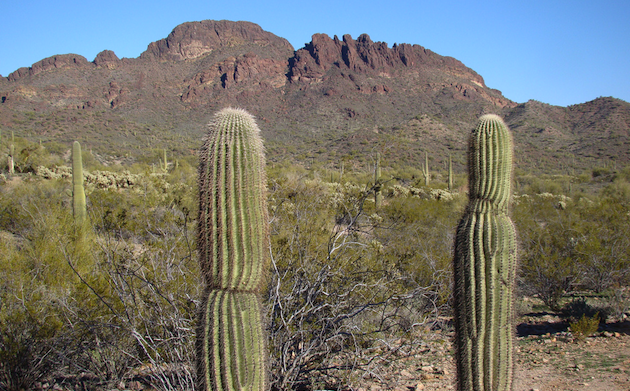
555	51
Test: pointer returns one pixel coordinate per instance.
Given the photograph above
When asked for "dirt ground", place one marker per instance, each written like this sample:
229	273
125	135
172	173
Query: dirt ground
547	358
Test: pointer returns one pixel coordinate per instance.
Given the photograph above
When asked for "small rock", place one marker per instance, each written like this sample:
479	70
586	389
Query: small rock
419	386
406	373
427	368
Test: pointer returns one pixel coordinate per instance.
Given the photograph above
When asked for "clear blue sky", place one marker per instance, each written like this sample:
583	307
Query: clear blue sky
560	52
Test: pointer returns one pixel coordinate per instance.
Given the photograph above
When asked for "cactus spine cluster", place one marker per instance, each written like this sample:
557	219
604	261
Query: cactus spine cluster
78	193
233	238
485	264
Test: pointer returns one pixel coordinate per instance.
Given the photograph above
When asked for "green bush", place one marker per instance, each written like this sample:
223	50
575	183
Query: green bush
585	326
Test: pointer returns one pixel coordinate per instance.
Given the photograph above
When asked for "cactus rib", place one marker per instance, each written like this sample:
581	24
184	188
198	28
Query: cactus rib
485	264
232	239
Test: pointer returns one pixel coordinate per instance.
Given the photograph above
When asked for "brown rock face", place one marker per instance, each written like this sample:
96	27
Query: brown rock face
365	56
247	70
195	39
106	58
59	61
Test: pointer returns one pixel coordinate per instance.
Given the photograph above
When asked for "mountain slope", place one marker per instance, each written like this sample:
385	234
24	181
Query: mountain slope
335	99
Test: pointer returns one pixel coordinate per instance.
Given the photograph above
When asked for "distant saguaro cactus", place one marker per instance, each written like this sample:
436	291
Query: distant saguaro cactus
425	169
11	162
450	173
233	238
377	181
78	193
485	264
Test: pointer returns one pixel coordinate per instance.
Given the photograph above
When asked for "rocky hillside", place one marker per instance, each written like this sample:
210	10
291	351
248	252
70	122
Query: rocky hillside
335	99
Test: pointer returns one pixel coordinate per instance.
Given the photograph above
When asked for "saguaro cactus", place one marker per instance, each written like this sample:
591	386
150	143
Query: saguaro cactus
78	193
233	238
377	181
11	163
450	173
485	264
425	169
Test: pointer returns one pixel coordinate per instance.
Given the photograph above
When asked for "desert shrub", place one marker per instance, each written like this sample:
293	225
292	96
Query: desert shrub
617	303
35	281
579	307
101	301
585	326
334	294
547	237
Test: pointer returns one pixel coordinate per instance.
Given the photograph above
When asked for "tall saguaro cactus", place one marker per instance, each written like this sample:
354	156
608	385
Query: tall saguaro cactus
377	181
450	173
425	169
233	238
485	264
78	193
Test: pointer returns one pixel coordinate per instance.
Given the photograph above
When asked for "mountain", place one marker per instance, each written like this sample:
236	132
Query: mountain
332	100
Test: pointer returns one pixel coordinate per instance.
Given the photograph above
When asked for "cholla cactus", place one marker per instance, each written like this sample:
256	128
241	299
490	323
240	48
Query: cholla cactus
233	239
78	192
485	264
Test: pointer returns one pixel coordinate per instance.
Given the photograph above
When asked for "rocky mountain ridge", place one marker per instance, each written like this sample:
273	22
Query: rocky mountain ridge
331	100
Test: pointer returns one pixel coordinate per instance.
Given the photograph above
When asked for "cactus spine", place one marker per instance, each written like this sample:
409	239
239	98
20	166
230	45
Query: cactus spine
78	193
485	264
233	239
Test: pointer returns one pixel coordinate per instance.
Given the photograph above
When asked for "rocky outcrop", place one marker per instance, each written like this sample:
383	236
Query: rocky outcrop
195	39
116	95
249	69
362	58
107	59
54	62
363	55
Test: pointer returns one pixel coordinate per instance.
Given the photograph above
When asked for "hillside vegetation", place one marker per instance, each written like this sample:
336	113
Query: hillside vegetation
114	300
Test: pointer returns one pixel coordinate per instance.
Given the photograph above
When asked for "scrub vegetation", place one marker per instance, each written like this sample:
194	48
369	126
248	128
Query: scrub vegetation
351	287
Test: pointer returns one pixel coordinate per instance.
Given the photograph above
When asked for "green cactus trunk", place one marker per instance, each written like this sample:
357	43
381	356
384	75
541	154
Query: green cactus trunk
425	170
377	181
78	193
233	239
450	173
485	264
11	163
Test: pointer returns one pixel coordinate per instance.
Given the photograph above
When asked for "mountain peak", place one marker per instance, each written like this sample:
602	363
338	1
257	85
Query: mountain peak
194	39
